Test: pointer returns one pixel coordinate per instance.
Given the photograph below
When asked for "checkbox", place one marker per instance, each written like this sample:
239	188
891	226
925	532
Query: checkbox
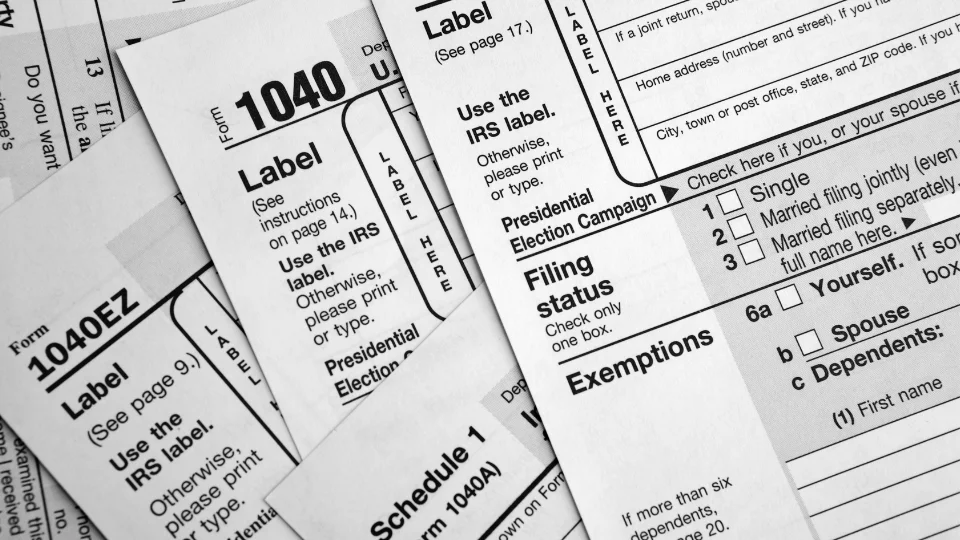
729	201
751	251
789	297
809	342
740	226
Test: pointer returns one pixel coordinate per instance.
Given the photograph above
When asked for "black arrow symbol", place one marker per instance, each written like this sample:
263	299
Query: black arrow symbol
668	192
132	41
907	222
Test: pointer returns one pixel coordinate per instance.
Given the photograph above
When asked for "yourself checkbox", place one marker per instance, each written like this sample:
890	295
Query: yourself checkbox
751	251
789	297
740	226
809	342
729	201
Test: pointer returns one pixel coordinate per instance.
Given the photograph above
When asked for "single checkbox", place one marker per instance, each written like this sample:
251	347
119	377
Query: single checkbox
740	226
789	297
809	342
751	251
729	201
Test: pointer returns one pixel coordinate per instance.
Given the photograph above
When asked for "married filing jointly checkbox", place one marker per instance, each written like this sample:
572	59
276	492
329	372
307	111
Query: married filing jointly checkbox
789	297
809	342
740	226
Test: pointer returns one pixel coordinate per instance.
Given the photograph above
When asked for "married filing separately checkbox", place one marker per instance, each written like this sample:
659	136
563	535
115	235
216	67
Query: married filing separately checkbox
751	251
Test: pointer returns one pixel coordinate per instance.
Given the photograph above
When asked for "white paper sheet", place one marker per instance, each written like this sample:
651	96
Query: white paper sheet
125	368
305	167
705	227
34	505
451	447
61	90
61	86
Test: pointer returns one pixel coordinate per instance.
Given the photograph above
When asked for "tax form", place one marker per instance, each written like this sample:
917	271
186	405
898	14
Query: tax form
124	367
451	447
61	90
33	503
722	237
61	86
304	164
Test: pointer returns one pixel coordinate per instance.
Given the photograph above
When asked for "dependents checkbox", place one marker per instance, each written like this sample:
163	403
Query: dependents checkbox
751	251
809	342
789	297
740	226
729	201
